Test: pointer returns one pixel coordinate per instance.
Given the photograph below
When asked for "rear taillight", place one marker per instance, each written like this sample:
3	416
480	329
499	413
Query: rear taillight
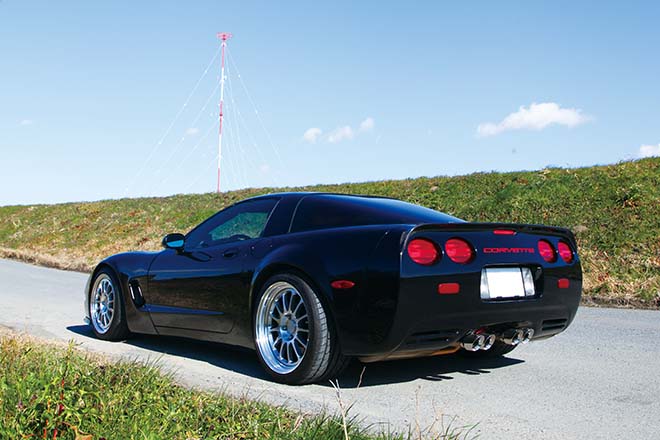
565	251
547	251
459	251
422	251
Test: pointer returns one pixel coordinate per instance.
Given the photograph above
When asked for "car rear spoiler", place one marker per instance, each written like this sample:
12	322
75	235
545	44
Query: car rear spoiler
479	227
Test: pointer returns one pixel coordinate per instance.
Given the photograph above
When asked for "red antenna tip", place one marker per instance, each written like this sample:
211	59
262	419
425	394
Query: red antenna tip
224	36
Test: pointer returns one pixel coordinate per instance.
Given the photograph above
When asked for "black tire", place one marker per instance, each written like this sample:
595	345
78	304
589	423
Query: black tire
117	328
322	359
498	349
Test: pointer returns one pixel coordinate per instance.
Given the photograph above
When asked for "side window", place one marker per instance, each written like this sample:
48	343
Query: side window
244	224
318	212
239	222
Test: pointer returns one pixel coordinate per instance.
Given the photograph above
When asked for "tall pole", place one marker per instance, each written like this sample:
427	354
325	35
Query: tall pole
224	36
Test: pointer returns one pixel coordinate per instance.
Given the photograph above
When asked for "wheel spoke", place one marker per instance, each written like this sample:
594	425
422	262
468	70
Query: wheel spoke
295	350
277	309
300	303
289	350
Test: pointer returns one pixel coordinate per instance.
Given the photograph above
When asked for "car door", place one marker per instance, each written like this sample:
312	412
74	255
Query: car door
204	286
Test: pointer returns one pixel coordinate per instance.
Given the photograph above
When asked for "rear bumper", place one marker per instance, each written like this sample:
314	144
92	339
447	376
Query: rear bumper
426	322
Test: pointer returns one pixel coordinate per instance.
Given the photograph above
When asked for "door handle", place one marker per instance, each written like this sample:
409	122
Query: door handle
230	253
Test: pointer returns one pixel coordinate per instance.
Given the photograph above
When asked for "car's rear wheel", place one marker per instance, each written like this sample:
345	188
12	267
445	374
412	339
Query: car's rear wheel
106	308
293	334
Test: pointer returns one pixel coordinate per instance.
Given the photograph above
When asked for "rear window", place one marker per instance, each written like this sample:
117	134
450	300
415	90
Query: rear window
332	211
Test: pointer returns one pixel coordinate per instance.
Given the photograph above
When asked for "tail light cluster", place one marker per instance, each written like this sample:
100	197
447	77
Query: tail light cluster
425	252
549	254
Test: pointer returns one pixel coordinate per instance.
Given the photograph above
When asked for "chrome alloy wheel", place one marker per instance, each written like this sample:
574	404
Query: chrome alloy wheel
102	303
282	327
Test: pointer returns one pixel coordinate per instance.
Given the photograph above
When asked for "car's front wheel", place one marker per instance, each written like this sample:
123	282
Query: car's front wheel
106	310
294	337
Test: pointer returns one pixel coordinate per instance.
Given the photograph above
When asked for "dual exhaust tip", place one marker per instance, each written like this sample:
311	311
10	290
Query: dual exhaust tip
517	336
484	341
474	342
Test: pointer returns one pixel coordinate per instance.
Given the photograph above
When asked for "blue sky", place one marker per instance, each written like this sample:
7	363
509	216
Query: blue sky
327	93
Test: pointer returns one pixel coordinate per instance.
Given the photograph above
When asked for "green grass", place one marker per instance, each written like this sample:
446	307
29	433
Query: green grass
614	211
52	392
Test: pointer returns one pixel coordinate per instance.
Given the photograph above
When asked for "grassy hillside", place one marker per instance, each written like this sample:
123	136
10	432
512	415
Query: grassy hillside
614	211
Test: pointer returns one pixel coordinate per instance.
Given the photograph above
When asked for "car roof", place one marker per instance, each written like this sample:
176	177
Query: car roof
300	194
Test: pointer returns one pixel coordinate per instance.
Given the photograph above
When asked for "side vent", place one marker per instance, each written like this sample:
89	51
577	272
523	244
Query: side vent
554	324
136	293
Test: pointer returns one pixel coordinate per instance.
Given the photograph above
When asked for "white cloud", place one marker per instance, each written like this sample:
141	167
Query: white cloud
649	150
341	133
192	131
536	117
264	168
26	122
367	124
312	134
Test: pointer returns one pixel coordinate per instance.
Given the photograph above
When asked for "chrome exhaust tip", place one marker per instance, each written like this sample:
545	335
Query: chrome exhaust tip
512	336
473	342
528	333
489	340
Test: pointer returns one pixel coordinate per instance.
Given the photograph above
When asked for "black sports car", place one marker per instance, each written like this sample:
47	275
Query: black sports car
311	280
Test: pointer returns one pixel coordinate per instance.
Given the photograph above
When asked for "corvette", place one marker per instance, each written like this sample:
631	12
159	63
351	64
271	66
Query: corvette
311	280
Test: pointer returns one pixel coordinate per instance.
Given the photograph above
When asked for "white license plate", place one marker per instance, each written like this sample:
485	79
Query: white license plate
502	282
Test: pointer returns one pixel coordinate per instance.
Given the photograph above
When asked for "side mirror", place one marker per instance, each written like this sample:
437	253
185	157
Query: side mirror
174	241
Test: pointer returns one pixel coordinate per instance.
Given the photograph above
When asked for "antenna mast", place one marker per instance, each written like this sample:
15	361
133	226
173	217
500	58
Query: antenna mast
224	36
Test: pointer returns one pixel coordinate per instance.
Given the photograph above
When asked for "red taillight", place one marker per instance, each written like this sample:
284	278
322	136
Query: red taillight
504	232
563	283
459	251
422	251
547	251
565	251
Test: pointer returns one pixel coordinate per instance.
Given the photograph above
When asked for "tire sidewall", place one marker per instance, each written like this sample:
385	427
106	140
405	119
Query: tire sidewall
316	334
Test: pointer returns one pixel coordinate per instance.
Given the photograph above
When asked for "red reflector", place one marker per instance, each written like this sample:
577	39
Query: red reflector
565	251
448	288
563	283
422	251
504	232
342	284
459	251
547	251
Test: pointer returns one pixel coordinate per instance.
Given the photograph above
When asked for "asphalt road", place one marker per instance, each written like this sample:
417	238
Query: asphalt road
599	379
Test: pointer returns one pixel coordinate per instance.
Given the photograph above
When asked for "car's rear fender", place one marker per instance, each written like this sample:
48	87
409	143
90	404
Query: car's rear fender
322	257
